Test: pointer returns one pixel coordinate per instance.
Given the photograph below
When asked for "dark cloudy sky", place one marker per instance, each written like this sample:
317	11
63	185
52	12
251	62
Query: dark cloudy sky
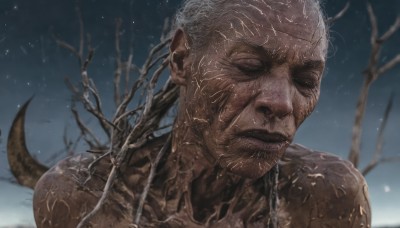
32	64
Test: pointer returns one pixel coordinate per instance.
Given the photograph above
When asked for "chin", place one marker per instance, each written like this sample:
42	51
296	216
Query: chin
251	168
251	160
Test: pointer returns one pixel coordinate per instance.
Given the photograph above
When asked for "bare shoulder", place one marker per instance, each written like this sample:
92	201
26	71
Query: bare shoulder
63	195
328	188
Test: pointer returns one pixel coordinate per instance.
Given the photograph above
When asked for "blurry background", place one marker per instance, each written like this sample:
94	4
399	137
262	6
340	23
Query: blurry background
31	63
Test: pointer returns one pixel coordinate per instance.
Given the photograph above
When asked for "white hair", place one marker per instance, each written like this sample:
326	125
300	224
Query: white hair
198	18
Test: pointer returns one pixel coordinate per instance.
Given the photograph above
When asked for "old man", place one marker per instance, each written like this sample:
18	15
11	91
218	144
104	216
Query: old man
249	73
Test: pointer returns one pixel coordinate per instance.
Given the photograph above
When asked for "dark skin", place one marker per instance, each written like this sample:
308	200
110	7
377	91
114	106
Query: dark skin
251	82
242	99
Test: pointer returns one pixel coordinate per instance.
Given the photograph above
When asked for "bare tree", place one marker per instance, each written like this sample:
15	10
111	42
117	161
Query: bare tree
128	129
373	71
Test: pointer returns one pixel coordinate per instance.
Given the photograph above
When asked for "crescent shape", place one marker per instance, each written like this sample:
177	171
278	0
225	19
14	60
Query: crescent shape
23	166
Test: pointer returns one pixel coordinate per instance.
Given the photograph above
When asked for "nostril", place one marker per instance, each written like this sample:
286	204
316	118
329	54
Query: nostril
274	107
264	110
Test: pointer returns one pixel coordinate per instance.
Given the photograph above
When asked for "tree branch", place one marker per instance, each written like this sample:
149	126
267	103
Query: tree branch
150	179
339	15
379	142
373	72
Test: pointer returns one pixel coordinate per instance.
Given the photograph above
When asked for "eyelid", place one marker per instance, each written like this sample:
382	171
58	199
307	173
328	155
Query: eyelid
249	65
307	81
256	61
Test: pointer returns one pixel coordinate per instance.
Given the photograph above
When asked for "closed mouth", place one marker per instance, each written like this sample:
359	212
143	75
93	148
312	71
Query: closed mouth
264	140
265	136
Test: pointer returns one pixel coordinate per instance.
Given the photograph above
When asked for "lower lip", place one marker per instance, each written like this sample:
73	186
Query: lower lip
252	143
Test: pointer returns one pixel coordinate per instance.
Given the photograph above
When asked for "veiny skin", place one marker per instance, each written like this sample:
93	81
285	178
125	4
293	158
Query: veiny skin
242	99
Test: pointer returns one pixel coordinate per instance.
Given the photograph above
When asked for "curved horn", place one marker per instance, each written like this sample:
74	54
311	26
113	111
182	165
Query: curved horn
23	166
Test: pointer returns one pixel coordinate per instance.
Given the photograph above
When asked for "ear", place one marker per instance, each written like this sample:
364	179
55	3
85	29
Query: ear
179	57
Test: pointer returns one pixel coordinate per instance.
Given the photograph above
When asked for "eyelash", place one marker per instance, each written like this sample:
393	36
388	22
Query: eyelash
306	83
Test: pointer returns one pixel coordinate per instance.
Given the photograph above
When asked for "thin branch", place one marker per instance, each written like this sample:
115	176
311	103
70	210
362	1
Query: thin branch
128	69
150	179
129	113
89	88
374	23
72	87
149	60
379	142
110	181
339	15
389	65
139	82
88	135
81	29
107	189
390	31
118	63
68	47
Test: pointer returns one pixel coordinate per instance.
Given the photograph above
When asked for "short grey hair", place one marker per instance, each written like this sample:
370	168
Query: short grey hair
198	19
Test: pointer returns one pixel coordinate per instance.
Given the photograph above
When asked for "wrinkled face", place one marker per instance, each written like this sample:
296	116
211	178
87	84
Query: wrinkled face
256	82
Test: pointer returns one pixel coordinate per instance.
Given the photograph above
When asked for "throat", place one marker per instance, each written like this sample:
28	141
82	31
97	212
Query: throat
213	193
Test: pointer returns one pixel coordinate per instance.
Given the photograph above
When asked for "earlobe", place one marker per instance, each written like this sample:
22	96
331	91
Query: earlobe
179	57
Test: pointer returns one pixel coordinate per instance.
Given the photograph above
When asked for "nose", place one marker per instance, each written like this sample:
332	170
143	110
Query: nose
274	98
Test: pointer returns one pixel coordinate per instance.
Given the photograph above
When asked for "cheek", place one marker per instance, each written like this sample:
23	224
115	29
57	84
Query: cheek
303	106
208	100
232	105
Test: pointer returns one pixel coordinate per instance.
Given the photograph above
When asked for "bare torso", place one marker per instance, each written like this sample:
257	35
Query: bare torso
315	190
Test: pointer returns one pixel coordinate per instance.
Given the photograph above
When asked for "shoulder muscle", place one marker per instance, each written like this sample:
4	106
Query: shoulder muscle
330	190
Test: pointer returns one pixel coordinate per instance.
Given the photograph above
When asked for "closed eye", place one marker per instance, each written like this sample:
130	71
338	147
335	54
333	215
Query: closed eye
249	65
308	83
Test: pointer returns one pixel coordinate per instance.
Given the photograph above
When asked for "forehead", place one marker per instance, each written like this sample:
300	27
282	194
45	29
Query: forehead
294	26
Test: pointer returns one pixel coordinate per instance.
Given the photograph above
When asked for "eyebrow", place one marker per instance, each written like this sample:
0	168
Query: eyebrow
312	64
243	43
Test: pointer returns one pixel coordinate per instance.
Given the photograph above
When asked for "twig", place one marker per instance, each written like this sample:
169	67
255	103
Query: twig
85	131
379	143
150	179
67	46
140	81
331	20
391	31
81	29
389	65
118	63
84	222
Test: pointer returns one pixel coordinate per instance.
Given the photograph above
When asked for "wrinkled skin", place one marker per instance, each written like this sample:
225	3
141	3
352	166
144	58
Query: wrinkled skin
251	88
242	99
315	190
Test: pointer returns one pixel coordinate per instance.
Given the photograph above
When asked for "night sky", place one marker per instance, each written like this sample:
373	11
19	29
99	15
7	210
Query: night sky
31	63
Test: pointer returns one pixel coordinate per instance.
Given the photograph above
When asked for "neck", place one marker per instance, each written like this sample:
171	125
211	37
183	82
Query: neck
191	182
188	149
202	180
